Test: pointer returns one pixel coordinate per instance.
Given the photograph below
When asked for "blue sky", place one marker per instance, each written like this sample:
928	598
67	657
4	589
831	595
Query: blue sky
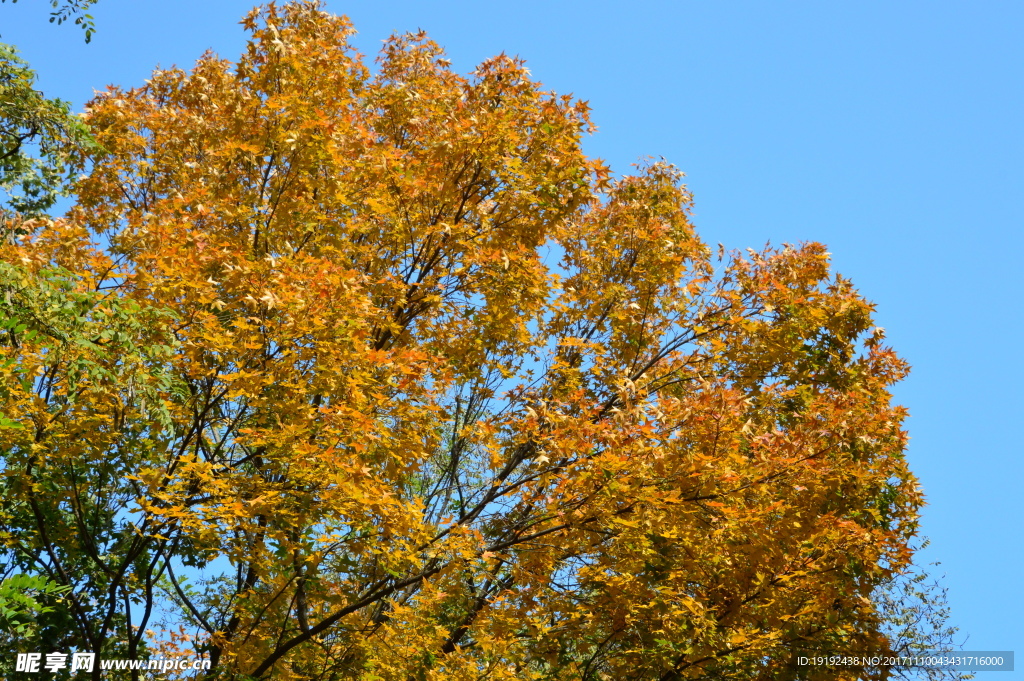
891	131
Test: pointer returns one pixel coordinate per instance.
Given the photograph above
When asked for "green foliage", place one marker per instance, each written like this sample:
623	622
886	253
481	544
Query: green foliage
22	600
28	604
36	136
72	8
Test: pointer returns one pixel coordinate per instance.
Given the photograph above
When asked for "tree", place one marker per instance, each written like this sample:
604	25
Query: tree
36	137
378	376
84	342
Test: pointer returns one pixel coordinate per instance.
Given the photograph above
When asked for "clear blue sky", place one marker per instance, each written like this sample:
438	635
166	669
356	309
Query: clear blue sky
892	131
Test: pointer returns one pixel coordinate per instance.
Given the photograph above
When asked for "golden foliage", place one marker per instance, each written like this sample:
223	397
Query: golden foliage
451	402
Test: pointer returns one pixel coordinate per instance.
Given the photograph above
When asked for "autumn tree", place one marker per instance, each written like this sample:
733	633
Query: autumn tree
375	375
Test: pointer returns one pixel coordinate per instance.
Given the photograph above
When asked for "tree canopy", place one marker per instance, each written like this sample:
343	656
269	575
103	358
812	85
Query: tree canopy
334	373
